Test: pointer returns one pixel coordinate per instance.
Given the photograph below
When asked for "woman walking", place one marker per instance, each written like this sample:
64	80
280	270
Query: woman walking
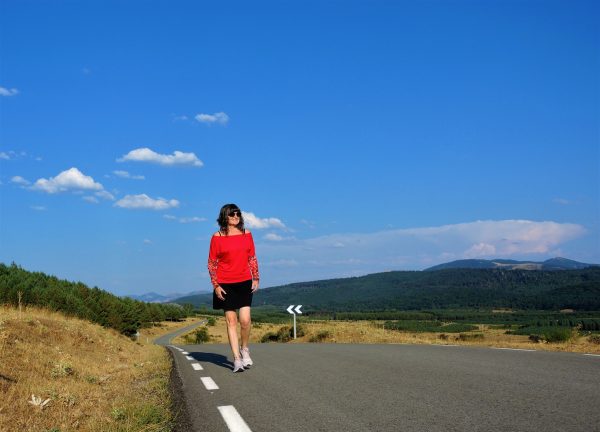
233	270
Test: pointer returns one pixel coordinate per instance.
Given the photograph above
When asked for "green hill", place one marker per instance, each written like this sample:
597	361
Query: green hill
557	263
75	298
442	289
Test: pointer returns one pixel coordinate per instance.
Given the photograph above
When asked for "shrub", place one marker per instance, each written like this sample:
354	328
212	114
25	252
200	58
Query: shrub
595	339
201	335
428	326
299	331
118	414
557	334
284	334
62	370
467	337
535	338
149	415
91	379
443	336
319	337
269	337
211	321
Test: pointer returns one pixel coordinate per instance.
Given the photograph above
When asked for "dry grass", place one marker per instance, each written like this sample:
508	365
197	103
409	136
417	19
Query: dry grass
371	332
93	379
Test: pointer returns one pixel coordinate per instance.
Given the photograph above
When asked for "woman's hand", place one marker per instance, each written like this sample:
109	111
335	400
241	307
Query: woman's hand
254	286
220	292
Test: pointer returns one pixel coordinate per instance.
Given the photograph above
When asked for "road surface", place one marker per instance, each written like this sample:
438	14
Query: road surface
345	387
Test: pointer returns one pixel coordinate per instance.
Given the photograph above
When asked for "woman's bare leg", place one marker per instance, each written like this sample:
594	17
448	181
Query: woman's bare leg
231	318
245	324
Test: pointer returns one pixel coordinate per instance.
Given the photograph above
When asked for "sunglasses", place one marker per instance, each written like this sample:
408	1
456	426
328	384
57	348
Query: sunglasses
235	213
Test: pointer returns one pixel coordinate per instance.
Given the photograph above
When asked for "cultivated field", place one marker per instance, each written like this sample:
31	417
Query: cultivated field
329	331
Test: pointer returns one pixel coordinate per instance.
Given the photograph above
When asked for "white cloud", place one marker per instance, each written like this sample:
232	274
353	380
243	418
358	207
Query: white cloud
143	201
185	220
91	199
147	241
71	179
220	118
105	194
308	223
253	221
273	237
561	201
147	155
125	174
8	92
282	263
38	208
191	219
180	117
19	180
416	248
480	250
11	154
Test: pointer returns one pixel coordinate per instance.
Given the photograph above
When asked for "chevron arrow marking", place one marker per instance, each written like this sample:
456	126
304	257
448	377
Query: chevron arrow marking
297	309
290	309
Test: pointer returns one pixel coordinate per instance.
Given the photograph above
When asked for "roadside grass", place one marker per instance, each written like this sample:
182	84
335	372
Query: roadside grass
59	373
378	332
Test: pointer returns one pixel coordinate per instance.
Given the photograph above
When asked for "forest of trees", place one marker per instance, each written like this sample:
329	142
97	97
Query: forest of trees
442	289
77	299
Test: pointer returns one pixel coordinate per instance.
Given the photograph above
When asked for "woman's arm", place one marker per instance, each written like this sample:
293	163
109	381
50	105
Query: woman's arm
213	262
253	264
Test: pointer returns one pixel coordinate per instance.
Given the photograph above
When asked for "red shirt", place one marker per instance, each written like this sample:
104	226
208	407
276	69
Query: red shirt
232	259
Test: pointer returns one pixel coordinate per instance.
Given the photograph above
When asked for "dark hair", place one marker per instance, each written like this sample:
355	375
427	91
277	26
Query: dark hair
222	220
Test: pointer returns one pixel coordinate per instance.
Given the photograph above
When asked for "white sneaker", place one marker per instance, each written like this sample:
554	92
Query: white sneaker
246	360
238	366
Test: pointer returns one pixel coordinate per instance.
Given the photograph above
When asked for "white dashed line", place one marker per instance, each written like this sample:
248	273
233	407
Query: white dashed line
209	383
593	355
189	357
234	420
514	349
184	352
197	366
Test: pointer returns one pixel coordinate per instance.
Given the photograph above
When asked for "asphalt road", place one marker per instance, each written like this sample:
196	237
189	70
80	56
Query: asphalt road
342	387
166	339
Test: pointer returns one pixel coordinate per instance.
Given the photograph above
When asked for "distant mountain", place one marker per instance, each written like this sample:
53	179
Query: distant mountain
551	264
153	297
456	288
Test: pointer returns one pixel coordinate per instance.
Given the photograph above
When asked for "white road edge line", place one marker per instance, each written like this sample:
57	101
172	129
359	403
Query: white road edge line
184	352
197	366
514	349
209	383
233	419
593	355
189	357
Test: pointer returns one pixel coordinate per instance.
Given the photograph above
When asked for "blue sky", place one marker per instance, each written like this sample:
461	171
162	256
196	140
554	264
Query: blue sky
358	136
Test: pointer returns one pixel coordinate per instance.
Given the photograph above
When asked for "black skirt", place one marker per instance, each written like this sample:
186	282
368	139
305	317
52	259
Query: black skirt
239	294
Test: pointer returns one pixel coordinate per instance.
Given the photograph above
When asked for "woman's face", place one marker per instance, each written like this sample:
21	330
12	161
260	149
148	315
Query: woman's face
233	218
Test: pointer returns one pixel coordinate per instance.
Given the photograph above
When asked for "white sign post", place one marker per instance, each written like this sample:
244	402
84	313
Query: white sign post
294	311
